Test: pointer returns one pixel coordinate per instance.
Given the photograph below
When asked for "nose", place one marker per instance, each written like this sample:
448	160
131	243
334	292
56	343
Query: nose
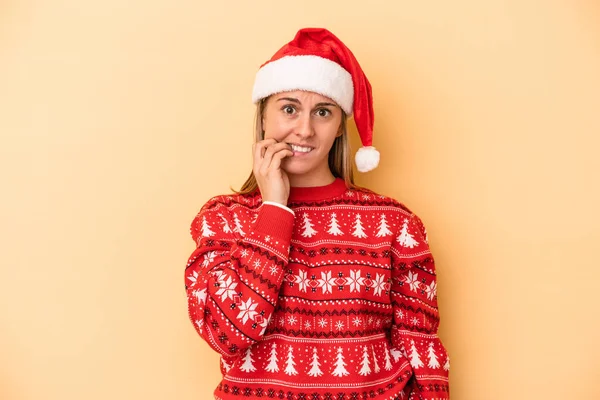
304	128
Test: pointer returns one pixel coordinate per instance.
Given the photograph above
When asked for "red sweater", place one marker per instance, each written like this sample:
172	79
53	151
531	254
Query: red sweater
335	300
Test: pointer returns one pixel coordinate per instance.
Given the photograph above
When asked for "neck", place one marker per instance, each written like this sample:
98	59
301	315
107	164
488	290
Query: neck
314	178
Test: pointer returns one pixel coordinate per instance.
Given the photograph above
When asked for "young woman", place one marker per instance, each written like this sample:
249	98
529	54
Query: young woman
308	286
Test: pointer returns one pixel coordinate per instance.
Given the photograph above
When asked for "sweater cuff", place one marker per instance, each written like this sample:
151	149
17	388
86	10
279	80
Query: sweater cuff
273	203
275	221
272	231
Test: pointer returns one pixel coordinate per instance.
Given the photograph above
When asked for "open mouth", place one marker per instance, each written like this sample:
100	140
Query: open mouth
300	149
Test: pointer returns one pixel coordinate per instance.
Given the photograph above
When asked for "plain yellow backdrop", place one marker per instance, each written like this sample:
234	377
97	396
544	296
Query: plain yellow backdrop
119	119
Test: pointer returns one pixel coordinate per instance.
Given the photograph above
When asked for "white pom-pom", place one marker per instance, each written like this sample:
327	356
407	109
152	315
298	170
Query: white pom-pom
367	159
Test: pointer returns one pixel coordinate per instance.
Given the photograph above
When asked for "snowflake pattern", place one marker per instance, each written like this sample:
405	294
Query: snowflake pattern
247	310
379	284
355	281
431	290
314	268
326	282
413	280
226	287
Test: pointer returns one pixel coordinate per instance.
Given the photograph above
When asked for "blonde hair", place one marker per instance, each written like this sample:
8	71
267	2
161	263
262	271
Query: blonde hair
340	162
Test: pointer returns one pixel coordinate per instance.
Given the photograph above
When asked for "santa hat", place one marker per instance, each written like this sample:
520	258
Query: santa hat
317	61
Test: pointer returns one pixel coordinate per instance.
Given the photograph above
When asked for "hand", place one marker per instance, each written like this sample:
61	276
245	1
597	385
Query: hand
273	182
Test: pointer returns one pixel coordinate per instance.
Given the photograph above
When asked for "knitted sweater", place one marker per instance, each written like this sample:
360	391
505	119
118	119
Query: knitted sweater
331	298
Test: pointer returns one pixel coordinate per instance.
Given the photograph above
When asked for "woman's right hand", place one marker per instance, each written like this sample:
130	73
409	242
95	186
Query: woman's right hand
273	182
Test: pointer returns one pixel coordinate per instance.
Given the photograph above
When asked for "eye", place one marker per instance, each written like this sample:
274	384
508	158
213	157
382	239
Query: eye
288	109
323	112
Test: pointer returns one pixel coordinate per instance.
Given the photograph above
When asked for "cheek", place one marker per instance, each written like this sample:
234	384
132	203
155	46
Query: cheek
276	129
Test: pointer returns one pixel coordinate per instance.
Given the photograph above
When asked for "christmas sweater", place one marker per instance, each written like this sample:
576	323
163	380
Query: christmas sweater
332	297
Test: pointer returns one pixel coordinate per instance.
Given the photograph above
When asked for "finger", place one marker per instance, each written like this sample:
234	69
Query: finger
259	150
278	157
272	150
259	147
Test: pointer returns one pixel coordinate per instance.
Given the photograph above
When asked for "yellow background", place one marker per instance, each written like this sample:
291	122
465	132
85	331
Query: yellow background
119	119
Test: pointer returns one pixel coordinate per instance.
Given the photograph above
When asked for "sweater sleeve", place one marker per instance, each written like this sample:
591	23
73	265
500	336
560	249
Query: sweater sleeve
416	316
234	275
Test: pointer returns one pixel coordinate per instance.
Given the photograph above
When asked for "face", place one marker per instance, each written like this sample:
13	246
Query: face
310	123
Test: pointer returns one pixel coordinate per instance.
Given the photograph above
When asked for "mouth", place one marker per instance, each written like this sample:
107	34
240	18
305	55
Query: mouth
300	150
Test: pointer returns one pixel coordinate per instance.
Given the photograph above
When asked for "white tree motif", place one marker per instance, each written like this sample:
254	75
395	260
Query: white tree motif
226	227
340	365
315	370
200	295
388	360
375	363
308	227
334	227
358	228
433	361
206	232
396	354
415	359
248	365
289	364
383	227
366	369
406	239
447	363
226	366
238	225
272	367
209	258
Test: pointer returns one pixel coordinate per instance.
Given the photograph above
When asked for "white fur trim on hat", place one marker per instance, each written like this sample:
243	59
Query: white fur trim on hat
367	159
310	73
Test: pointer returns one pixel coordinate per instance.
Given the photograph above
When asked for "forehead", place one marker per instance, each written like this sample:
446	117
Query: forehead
304	97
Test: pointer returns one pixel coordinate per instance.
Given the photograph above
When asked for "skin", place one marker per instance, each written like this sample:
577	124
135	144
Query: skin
302	118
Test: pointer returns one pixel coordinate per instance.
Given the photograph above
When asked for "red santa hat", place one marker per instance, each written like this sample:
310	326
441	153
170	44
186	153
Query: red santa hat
317	61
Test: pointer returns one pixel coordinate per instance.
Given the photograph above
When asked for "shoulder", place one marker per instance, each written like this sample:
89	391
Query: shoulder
225	206
225	215
367	197
231	201
400	212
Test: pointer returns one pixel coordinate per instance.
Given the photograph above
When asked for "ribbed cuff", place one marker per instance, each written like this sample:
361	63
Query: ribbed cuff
275	221
273	203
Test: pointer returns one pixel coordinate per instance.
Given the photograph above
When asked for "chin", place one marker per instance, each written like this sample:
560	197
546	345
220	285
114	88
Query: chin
296	169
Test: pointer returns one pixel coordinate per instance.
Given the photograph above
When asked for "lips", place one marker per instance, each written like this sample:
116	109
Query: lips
300	149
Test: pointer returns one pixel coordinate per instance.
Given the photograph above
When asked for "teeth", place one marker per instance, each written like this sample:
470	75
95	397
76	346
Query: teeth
300	149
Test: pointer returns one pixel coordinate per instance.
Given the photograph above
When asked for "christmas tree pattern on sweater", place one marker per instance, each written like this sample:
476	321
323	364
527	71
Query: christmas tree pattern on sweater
339	298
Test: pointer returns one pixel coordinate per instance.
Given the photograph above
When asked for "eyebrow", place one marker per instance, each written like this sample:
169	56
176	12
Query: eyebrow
294	100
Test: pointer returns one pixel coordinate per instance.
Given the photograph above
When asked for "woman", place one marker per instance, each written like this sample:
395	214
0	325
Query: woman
308	286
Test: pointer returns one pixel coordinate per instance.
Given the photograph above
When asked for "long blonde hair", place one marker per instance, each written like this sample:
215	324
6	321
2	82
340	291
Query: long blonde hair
340	162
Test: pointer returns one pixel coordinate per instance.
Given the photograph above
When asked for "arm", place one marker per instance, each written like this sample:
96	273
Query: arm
416	316
234	274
